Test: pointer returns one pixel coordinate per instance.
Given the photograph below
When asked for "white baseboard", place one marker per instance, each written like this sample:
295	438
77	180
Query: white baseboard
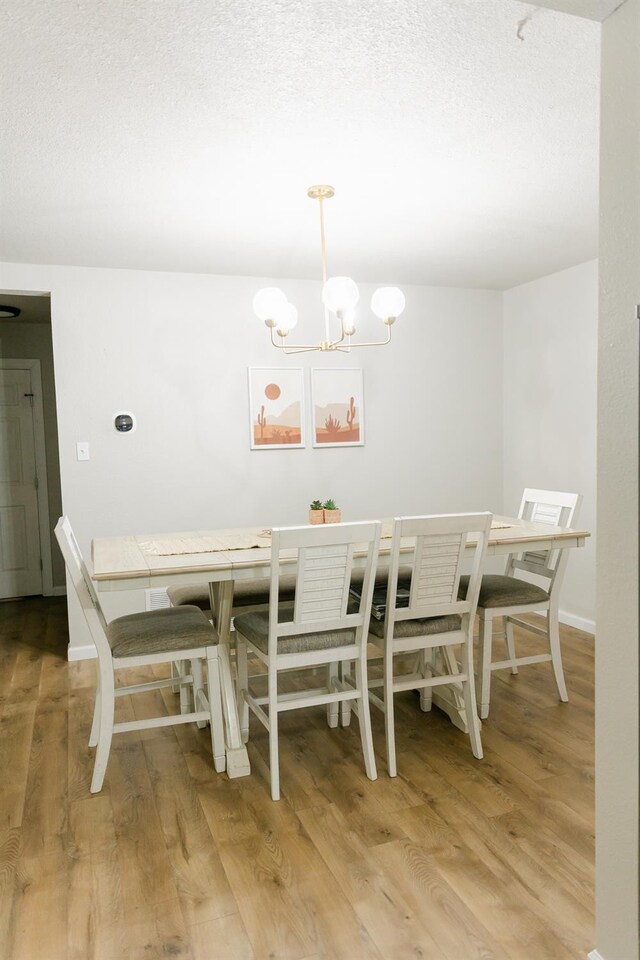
571	620
594	955
87	652
581	623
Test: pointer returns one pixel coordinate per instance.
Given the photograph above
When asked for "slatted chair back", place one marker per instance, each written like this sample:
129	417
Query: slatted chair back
439	549
557	509
325	558
81	579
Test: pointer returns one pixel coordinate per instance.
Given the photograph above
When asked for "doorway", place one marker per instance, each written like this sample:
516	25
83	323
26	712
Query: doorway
29	463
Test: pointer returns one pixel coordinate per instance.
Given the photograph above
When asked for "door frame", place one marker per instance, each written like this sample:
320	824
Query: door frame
44	523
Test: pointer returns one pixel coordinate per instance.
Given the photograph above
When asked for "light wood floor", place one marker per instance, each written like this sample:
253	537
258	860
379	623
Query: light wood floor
456	859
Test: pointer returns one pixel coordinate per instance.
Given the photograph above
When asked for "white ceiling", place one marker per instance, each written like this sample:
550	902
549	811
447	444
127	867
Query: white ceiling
182	135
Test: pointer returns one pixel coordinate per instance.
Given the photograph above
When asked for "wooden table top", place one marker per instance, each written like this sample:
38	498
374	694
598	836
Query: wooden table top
127	561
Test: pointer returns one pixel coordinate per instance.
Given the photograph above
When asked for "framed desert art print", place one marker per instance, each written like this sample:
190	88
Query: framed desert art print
337	400
276	401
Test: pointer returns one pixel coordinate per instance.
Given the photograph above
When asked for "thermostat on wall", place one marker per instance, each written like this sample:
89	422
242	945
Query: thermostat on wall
124	422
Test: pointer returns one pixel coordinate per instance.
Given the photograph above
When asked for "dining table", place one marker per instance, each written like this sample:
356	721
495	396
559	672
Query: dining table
219	558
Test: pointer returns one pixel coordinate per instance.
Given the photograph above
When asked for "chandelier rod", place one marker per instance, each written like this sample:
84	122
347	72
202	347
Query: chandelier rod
323	249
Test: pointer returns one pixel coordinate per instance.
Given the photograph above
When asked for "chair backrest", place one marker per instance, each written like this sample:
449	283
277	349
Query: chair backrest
83	585
551	507
325	556
439	546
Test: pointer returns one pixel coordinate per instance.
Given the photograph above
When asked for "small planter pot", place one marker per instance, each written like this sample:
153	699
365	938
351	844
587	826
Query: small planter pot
316	516
333	516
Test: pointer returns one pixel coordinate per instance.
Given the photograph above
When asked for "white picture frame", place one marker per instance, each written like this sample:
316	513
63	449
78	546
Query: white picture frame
337	395
276	408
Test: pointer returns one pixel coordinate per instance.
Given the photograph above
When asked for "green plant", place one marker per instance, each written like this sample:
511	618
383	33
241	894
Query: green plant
315	505
329	505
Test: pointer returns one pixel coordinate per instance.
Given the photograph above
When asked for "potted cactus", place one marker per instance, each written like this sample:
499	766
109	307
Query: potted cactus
332	513
316	512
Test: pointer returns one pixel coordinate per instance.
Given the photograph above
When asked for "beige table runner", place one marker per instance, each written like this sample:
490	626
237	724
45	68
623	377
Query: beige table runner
214	544
176	546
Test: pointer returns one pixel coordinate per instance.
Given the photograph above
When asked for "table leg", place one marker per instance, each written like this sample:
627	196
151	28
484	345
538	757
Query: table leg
221	595
448	698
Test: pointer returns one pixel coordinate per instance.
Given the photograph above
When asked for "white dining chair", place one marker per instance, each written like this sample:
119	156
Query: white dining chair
507	596
167	635
318	629
422	613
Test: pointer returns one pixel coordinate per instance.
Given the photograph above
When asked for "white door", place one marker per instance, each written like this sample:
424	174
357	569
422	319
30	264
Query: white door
20	563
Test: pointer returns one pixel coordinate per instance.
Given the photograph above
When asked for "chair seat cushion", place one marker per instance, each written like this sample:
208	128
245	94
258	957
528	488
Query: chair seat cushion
255	627
246	593
193	595
418	628
169	629
499	591
250	593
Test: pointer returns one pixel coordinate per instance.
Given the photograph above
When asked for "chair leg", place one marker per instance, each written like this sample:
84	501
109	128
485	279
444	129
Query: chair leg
95	725
242	686
274	762
175	687
364	719
510	643
332	708
345	705
469	693
107	706
389	728
198	685
215	711
484	669
185	696
556	655
426	693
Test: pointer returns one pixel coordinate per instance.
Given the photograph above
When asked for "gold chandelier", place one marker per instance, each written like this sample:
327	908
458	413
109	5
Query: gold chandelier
339	297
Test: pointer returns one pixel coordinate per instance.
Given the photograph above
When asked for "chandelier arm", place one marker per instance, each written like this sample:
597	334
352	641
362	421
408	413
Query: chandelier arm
293	347
370	343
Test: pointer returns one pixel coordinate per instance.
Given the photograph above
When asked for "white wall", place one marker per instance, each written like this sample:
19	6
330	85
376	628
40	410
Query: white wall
550	360
617	800
174	349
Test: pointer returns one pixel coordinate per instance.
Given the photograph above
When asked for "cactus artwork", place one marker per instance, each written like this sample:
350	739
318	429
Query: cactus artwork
275	397
337	407
351	414
261	421
332	426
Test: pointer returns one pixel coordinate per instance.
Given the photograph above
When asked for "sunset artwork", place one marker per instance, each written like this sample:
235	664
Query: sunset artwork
275	401
337	408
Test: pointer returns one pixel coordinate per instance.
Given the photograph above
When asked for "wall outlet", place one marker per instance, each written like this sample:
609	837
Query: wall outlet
82	450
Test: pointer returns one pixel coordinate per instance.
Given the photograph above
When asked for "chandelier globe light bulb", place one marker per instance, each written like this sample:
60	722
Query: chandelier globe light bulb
388	303
340	294
269	304
349	323
286	319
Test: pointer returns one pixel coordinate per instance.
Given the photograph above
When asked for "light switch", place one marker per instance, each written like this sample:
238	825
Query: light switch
82	451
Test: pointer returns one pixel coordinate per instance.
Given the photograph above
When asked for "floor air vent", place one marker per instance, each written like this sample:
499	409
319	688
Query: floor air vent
156	598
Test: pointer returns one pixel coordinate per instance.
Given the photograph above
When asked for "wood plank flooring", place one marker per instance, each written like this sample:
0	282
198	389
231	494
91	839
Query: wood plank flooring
456	859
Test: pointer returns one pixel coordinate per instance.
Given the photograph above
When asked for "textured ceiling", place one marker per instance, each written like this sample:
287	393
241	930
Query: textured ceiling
182	135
